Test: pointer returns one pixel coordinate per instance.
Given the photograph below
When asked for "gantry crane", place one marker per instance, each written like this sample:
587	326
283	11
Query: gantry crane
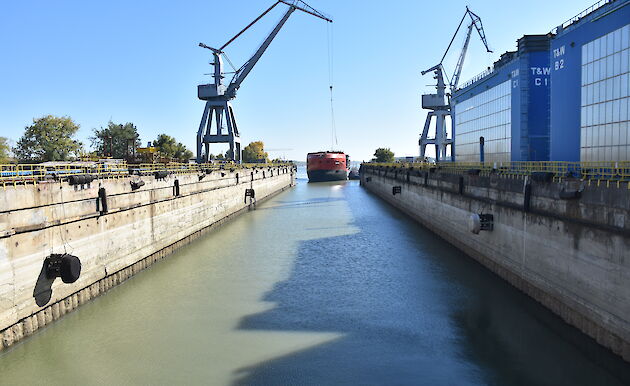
218	95
440	102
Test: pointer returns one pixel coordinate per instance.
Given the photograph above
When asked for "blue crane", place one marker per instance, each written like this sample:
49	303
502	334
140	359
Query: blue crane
218	95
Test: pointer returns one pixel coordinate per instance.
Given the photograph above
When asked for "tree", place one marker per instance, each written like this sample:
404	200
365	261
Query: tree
49	138
255	152
383	155
169	147
114	139
220	157
5	150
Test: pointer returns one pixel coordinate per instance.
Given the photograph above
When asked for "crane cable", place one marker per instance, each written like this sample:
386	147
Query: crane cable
329	39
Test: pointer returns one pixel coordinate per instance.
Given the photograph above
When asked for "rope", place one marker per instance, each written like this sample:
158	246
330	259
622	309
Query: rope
329	40
64	226
333	139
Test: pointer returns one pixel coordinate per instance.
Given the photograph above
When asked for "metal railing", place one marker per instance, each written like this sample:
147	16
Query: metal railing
476	78
39	172
580	15
21	174
596	171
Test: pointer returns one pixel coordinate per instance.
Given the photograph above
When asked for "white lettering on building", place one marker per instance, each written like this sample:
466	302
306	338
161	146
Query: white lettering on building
515	81
557	53
537	72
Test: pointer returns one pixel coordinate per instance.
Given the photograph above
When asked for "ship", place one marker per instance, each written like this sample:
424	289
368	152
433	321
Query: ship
354	174
327	166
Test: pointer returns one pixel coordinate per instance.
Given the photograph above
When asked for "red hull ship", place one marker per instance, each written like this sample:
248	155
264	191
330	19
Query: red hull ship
327	166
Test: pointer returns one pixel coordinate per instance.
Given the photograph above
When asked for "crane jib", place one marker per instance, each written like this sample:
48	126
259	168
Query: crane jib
303	9
249	25
475	21
242	72
310	9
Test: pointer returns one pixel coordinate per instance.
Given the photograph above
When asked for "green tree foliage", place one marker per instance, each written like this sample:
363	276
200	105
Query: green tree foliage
255	152
5	150
169	147
121	136
49	138
383	155
220	157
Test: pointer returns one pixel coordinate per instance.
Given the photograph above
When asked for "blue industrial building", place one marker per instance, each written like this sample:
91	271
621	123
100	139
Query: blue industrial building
589	86
562	96
508	106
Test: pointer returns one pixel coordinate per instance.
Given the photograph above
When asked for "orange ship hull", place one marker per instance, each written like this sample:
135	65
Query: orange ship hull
327	166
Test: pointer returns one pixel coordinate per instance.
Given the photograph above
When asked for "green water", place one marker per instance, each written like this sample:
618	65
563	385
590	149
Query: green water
323	284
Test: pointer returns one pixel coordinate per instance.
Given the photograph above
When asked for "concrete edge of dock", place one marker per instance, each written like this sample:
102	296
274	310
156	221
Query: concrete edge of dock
28	325
570	294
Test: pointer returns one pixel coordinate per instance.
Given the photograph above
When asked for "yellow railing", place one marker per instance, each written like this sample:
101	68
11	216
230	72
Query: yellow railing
38	172
14	174
195	168
599	171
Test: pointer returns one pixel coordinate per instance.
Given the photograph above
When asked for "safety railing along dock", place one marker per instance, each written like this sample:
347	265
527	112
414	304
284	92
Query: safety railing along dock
593	172
22	174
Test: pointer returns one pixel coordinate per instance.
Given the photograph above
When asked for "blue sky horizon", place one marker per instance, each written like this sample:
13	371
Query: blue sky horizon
139	62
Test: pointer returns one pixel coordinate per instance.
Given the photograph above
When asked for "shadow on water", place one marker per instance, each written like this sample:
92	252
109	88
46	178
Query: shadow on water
411	309
299	203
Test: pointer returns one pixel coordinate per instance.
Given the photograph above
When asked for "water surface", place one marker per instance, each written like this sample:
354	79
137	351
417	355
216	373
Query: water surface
323	284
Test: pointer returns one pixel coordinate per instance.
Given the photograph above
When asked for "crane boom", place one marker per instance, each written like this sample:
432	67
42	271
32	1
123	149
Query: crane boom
246	68
460	61
479	26
475	22
249	25
302	6
218	96
242	72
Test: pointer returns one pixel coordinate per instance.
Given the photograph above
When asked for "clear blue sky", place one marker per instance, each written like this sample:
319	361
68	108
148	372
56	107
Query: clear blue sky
138	61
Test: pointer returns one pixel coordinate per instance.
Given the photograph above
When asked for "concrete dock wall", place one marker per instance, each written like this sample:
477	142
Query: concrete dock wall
140	227
566	244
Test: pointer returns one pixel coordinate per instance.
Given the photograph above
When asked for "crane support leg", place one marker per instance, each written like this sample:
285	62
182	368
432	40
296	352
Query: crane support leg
208	134
441	140
202	126
424	137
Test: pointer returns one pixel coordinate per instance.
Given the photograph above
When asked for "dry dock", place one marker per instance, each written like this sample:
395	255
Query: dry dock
563	242
115	226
